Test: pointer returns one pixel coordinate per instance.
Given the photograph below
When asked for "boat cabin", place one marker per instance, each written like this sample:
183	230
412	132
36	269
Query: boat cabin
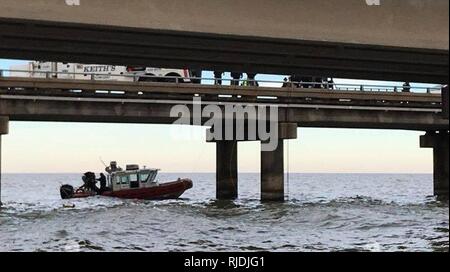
131	183
132	178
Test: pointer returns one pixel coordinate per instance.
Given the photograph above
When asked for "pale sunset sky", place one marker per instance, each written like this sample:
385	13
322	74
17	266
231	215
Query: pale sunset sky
41	147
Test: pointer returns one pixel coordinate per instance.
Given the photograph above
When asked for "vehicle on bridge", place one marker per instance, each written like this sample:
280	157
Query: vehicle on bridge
59	70
131	183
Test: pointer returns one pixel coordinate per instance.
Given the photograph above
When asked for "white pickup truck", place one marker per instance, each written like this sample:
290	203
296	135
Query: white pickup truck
41	69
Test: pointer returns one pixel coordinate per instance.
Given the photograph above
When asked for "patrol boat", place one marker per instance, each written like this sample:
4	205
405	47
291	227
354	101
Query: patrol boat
131	183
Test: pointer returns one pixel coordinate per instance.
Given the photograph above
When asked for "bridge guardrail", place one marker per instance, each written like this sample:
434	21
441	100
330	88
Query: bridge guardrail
294	85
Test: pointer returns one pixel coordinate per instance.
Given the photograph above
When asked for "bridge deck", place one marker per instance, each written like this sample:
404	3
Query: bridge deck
289	94
86	43
25	99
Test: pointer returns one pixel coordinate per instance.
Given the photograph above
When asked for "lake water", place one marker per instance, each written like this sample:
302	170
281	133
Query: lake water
332	212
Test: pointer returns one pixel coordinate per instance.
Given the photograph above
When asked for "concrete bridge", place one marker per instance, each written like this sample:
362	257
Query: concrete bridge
404	40
26	99
397	40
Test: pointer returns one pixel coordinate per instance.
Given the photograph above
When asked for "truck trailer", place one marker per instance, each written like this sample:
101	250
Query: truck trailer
77	71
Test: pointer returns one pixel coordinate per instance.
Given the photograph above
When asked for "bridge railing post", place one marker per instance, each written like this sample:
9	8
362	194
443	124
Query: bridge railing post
445	105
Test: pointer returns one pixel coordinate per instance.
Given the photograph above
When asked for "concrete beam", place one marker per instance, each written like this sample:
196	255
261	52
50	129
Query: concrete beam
118	110
316	20
272	174
158	48
59	87
439	141
4	125
287	131
227	170
428	140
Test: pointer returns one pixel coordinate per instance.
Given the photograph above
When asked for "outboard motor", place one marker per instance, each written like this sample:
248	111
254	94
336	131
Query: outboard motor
67	191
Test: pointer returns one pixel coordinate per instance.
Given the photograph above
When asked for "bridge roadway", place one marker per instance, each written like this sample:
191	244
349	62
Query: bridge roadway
26	99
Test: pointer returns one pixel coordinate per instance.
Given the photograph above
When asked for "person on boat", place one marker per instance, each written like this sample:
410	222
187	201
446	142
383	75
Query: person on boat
90	182
102	181
85	185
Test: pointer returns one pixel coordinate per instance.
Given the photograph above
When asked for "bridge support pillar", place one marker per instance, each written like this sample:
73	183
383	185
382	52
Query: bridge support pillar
4	129
439	142
272	174
445	101
227	170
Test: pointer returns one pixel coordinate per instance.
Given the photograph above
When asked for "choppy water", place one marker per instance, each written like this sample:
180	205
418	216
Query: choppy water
325	213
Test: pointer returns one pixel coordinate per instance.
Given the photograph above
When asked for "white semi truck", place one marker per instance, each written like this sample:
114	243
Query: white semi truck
42	69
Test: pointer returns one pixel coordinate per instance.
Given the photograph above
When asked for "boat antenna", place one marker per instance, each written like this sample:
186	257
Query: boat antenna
103	162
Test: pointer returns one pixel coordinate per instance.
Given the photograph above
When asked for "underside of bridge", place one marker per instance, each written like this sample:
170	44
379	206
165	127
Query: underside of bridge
346	39
22	39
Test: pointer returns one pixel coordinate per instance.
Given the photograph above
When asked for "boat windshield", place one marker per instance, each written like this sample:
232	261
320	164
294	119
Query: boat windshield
147	175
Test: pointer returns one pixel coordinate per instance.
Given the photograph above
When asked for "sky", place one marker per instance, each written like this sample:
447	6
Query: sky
43	147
